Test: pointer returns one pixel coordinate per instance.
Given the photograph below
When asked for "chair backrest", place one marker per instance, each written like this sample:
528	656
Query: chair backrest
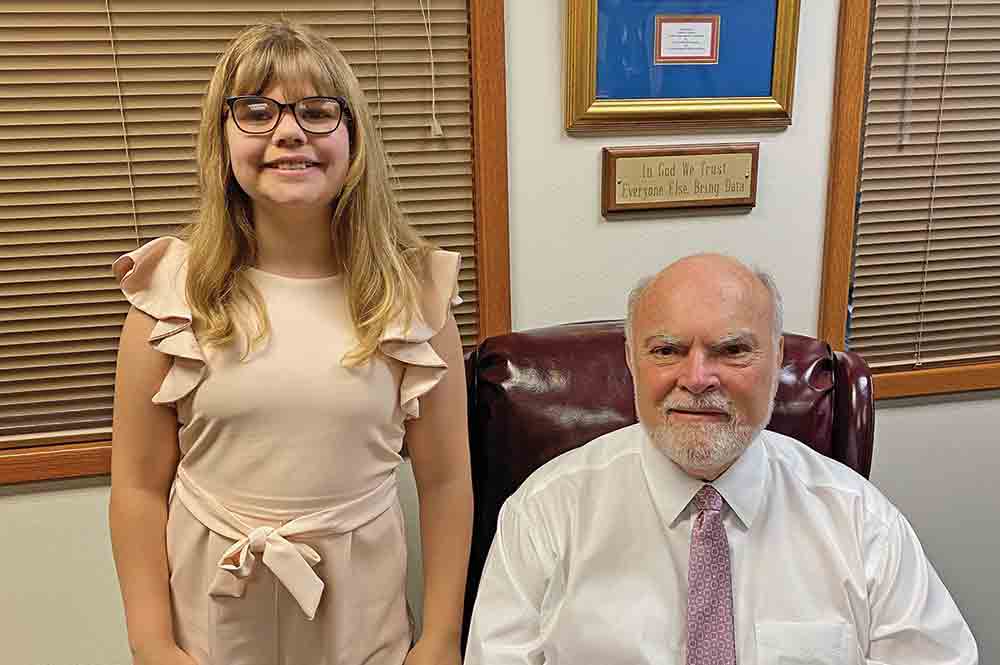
538	393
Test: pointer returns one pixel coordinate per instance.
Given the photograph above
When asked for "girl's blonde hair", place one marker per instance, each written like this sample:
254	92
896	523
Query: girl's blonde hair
380	255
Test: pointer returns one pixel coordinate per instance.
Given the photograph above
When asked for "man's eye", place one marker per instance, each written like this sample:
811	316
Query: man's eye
735	349
663	351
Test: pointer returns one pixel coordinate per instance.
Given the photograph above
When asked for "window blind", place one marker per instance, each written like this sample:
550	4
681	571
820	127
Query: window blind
97	128
926	282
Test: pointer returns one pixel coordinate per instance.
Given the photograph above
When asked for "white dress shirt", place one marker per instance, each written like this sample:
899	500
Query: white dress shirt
589	565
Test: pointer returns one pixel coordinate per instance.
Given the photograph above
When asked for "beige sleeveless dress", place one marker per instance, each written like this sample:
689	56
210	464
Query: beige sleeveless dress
285	535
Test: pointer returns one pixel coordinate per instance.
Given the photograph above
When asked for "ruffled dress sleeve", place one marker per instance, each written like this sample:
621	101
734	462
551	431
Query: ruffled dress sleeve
153	281
423	368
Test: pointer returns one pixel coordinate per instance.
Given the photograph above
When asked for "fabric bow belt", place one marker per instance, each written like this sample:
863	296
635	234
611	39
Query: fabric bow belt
291	562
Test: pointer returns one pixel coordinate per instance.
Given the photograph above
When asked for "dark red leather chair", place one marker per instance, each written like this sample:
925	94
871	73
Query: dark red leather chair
538	393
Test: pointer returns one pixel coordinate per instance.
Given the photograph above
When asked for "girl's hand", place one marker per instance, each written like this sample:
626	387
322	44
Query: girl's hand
163	655
430	651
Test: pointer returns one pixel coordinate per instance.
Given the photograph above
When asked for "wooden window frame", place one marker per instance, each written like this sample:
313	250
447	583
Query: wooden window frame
853	48
489	140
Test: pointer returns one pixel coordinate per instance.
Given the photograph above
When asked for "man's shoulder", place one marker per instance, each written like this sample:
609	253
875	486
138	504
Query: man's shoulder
578	469
815	473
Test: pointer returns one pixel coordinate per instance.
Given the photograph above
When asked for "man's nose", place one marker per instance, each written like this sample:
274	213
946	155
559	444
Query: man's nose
698	373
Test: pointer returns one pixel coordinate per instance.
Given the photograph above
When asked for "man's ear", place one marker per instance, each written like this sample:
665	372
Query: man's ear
781	352
628	356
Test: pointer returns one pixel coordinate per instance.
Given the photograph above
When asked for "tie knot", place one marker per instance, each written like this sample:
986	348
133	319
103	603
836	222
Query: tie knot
257	539
708	498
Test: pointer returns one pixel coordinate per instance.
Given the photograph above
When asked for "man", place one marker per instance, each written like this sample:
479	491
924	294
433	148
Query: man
697	537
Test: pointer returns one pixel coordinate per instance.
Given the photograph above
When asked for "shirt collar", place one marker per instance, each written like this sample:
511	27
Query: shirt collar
742	485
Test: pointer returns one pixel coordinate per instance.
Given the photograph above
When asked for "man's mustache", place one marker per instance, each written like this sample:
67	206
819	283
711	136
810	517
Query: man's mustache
711	402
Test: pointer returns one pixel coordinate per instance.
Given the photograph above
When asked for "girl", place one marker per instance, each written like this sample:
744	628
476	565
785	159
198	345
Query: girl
269	371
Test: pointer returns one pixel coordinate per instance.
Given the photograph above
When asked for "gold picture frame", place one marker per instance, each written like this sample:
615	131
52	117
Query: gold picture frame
588	114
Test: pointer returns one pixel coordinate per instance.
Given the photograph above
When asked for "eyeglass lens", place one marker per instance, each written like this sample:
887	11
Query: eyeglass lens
260	114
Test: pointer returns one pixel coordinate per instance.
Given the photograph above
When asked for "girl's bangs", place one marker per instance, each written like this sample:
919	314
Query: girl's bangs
295	69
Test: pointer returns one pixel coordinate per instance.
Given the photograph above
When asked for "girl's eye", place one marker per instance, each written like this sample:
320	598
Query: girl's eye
317	114
255	111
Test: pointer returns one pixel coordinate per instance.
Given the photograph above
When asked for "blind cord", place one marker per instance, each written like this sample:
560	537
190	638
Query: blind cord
906	91
934	173
121	108
378	76
436	129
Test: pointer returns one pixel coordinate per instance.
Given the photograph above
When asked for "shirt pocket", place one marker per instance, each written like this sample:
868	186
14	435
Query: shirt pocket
803	643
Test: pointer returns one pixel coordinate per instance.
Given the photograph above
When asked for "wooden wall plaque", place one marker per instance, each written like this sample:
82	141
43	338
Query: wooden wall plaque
644	178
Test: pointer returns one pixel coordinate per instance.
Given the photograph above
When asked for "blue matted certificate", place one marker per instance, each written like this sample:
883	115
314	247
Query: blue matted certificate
683	49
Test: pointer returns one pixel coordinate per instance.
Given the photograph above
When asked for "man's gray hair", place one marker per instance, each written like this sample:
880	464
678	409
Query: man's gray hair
634	296
777	305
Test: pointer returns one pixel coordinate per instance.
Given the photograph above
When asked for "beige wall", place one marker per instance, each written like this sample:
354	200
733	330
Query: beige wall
936	459
58	599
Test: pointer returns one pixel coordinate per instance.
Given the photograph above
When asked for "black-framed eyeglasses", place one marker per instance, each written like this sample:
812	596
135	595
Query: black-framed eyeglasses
256	114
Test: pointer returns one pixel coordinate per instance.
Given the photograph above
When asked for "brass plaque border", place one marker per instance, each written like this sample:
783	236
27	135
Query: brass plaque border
610	155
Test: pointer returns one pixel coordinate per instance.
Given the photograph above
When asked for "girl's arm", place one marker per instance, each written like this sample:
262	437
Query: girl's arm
143	462
438	442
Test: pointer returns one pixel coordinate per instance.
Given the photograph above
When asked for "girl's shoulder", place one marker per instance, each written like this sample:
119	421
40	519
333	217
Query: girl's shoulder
153	278
439	287
437	272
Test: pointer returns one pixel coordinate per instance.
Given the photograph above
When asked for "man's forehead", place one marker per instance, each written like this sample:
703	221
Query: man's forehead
726	294
725	336
708	273
725	300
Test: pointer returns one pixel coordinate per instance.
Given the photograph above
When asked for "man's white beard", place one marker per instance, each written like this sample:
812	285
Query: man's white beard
705	446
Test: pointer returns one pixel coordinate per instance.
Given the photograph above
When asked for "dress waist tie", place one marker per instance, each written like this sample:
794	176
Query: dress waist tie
291	562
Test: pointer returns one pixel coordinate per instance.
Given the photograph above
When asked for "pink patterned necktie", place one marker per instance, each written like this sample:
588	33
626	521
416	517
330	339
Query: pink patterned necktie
711	638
